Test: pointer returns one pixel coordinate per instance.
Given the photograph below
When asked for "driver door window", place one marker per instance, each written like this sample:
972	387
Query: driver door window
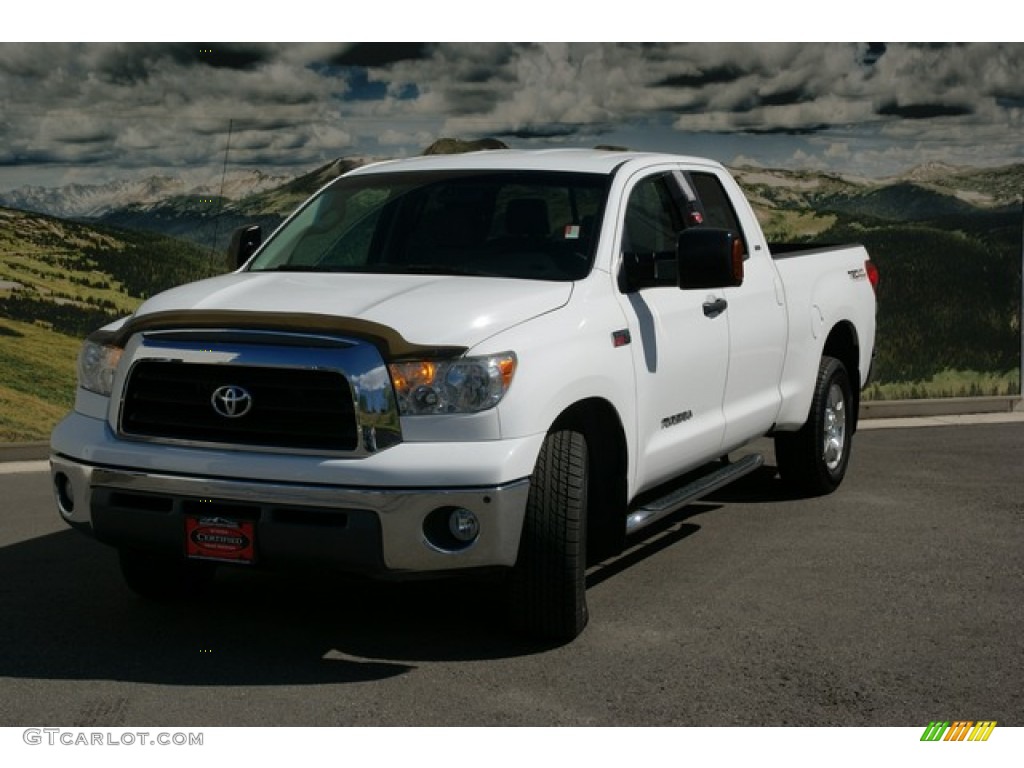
653	221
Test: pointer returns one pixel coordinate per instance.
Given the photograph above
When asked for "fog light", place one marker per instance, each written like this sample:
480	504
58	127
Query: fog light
65	494
463	525
451	529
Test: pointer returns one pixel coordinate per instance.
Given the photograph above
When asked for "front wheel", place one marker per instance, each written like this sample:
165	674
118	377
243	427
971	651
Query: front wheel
547	590
814	458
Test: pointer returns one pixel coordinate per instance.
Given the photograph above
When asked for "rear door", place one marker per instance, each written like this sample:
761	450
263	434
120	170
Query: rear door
756	314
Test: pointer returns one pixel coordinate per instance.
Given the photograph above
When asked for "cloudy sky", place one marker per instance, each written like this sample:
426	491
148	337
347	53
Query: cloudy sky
92	112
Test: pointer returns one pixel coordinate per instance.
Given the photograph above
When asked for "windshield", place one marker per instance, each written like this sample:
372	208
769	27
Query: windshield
538	225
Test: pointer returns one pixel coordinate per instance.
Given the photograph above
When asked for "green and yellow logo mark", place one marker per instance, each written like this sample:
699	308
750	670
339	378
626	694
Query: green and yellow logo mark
960	730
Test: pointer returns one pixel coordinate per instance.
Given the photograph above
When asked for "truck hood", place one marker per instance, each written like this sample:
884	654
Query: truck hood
424	309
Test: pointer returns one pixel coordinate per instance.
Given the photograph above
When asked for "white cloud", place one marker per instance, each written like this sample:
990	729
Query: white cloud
164	105
838	150
745	161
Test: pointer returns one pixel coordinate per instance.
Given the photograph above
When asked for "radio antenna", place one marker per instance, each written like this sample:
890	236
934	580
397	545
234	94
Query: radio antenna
220	202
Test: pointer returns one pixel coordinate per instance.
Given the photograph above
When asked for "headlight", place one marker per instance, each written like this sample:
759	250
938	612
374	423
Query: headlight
467	385
97	364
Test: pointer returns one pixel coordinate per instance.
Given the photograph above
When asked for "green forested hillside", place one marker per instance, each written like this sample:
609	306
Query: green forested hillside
898	202
209	221
59	281
947	243
949	298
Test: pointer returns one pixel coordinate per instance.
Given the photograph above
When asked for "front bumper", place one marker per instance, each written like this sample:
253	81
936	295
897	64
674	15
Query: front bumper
362	515
361	530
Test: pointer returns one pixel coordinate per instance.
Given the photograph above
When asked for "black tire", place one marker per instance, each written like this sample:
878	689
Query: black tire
165	579
813	460
547	591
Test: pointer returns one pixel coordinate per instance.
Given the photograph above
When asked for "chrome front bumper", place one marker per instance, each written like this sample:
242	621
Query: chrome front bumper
358	528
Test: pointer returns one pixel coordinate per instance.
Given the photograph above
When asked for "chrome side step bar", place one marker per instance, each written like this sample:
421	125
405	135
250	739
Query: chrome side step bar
680	497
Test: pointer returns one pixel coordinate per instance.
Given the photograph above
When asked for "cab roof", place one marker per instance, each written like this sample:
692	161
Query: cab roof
575	160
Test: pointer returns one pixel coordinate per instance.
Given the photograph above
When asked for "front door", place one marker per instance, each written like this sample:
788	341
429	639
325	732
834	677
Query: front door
680	342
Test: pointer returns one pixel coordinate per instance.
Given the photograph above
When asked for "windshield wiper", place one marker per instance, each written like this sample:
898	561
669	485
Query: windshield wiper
295	268
436	269
384	269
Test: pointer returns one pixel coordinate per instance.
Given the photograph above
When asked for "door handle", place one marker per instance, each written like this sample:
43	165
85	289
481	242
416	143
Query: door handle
715	308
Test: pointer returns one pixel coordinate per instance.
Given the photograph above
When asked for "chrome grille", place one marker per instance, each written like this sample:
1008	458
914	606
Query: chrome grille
298	408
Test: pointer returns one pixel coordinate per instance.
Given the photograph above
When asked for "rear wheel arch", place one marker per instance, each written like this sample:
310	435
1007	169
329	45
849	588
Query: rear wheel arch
813	460
843	344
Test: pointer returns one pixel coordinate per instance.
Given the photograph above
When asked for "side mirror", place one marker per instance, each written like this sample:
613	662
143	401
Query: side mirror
709	258
647	270
244	243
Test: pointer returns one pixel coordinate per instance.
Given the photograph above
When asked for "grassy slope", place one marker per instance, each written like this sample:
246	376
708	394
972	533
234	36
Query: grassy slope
73	278
38	381
948	383
933	341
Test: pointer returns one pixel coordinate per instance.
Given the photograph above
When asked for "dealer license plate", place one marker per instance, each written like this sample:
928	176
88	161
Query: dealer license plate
216	538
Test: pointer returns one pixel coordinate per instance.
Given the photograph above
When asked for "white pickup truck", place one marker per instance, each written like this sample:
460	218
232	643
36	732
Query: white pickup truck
499	360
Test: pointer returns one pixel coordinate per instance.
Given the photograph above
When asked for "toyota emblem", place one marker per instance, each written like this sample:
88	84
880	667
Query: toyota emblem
231	401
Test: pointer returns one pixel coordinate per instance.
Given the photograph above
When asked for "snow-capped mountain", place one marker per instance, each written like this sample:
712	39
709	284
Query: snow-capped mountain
95	200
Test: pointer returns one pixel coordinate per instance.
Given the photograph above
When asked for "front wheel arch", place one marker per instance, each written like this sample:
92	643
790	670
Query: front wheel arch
547	587
599	423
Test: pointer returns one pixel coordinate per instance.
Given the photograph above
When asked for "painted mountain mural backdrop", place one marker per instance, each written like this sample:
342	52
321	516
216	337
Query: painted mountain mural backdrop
947	242
125	166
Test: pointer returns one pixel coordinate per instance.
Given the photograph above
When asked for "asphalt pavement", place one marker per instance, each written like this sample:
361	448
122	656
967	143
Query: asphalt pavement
894	601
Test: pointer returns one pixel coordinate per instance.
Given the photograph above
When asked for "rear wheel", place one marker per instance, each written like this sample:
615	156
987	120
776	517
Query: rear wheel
547	593
162	578
814	458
